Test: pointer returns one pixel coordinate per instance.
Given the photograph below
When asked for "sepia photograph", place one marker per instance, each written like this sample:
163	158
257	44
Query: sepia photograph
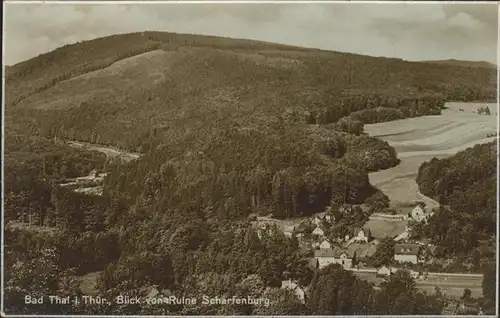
249	159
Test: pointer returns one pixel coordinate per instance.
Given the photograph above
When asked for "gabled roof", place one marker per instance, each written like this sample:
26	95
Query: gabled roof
332	252
326	253
383	268
317	218
406	249
321	227
421	206
320	215
356	230
327	241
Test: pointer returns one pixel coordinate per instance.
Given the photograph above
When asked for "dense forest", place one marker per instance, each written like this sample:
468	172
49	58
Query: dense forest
464	228
465	185
263	129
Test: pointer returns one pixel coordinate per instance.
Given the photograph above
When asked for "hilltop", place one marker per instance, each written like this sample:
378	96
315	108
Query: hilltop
453	62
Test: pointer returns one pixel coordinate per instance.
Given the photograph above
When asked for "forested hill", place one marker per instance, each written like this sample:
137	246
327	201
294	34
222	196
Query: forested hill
122	89
332	68
465	184
230	123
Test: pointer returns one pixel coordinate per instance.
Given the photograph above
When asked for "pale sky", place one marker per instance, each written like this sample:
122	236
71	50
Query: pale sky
408	31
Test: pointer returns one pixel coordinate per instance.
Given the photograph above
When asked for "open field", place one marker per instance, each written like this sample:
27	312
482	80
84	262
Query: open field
381	228
417	140
363	250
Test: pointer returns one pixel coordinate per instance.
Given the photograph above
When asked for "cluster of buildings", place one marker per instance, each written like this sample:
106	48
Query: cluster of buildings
342	250
352	249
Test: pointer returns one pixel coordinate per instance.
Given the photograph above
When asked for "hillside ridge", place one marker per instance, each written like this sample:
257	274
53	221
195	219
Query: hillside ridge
65	62
464	63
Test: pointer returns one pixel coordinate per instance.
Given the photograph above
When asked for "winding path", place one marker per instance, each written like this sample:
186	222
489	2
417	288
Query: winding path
110	152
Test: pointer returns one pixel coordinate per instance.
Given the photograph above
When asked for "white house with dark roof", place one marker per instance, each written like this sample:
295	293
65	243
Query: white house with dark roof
326	257
360	235
406	253
319	231
288	230
325	244
417	214
384	271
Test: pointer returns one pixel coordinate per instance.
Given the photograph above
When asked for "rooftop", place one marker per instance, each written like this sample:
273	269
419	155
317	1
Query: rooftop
406	249
332	252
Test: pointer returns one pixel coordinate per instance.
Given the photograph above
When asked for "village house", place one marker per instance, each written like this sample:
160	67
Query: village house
414	274
329	218
418	214
326	257
319	231
326	244
366	251
384	271
317	220
406	253
298	291
288	230
359	235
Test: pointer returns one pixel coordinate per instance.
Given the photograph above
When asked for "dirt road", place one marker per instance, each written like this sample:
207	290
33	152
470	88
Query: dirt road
110	152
